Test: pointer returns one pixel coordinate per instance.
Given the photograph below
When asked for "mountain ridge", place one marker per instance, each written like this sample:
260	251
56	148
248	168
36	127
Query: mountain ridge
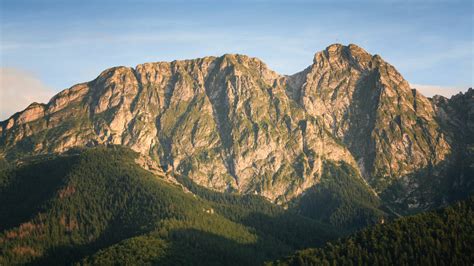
232	124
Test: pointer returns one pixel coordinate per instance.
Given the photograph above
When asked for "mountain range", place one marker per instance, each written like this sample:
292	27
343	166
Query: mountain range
231	124
342	144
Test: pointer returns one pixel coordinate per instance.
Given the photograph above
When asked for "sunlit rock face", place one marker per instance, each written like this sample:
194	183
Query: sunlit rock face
231	124
363	101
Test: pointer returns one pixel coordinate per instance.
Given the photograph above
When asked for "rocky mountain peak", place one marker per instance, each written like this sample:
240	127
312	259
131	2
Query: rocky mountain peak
341	56
365	103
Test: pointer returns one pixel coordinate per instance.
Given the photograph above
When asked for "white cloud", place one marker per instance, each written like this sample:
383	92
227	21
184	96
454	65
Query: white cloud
432	90
18	89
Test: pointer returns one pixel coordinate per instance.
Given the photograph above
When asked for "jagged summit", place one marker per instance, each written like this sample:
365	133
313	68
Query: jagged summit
338	55
232	124
339	49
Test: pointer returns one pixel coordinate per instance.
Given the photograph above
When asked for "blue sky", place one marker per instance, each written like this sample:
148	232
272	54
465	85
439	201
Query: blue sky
57	44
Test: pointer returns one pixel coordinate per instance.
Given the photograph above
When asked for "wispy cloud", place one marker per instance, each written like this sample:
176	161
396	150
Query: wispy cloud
18	89
432	90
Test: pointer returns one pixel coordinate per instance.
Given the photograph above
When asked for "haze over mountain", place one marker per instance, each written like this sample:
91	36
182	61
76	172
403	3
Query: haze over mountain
230	123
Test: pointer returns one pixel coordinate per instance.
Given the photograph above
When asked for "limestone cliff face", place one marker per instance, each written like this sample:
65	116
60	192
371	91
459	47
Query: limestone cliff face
232	124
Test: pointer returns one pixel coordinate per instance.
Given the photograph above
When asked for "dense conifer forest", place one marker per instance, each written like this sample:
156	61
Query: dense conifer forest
443	237
99	207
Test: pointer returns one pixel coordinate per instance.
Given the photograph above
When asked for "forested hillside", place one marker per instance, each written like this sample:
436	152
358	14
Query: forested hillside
341	199
97	206
443	237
